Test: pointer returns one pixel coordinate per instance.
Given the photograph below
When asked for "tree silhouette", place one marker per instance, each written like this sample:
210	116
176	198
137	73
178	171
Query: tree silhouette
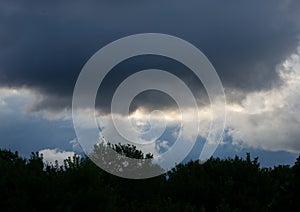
231	184
123	159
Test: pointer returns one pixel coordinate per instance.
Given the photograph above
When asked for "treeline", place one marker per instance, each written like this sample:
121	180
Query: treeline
233	184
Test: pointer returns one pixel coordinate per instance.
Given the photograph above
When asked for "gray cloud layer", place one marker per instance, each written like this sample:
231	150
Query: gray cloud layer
44	45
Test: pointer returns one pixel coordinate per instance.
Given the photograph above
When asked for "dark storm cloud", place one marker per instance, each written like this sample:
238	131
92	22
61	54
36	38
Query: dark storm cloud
44	45
150	100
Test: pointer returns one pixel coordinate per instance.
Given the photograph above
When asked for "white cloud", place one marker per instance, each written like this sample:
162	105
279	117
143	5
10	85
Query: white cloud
14	99
163	144
268	119
111	135
76	146
271	119
51	155
24	99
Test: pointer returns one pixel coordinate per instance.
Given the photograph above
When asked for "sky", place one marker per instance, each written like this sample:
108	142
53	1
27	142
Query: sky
253	45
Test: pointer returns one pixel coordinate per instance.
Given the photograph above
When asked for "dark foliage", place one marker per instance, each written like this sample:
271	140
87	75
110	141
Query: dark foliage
218	185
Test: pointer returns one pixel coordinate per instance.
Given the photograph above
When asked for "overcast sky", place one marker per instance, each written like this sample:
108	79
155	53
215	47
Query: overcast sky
253	45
